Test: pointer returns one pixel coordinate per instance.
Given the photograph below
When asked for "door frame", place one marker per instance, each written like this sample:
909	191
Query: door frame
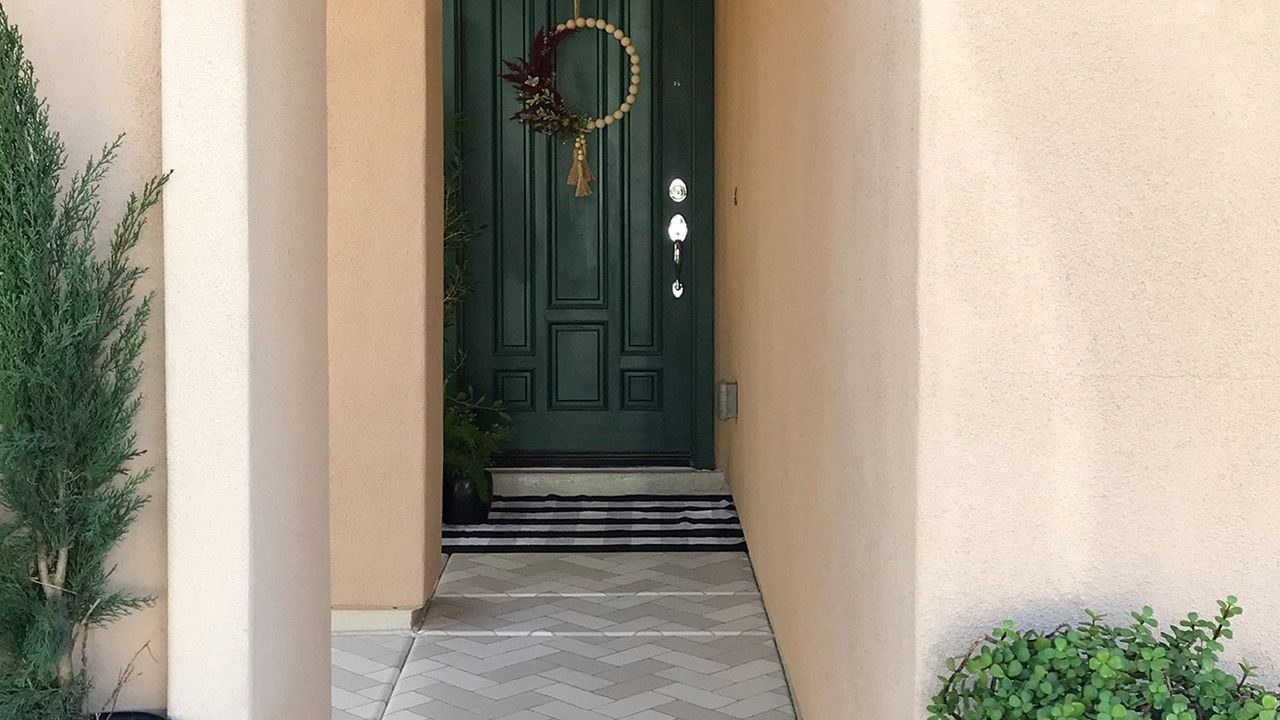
703	198
701	204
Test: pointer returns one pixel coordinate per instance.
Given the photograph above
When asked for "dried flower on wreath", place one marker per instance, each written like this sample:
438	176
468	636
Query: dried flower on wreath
542	108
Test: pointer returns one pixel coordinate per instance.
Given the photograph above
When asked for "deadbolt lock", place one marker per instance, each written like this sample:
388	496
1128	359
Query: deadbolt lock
678	190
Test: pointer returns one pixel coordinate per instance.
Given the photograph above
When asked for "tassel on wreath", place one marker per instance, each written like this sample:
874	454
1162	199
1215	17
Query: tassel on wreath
580	173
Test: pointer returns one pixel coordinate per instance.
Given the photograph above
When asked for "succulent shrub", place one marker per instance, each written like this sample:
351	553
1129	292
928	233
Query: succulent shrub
1097	671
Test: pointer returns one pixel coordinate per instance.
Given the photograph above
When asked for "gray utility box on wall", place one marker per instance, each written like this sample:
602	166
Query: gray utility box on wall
727	399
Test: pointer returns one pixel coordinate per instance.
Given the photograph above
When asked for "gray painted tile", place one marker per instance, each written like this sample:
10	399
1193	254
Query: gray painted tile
655	636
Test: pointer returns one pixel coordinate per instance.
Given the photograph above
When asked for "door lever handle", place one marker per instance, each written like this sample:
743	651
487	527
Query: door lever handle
677	288
678	232
678	228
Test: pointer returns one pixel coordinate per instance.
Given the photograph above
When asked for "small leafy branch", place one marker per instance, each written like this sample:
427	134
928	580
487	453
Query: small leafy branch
469	446
71	334
457	238
1096	671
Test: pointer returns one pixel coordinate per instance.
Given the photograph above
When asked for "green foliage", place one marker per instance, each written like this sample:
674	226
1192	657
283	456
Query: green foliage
470	444
1095	671
27	697
71	331
457	238
469	449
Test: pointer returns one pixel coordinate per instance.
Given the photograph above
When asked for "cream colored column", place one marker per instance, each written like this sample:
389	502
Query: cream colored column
244	131
385	316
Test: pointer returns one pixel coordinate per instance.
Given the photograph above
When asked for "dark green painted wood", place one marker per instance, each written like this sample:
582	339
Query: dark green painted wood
702	203
572	324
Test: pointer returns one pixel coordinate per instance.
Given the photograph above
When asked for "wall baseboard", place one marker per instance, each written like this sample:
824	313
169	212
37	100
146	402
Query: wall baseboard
372	621
382	620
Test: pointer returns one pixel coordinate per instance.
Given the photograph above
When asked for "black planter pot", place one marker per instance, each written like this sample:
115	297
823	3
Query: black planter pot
462	502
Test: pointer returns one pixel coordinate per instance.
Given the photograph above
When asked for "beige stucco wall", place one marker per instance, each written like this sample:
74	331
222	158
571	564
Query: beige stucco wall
1092	287
1100	347
385	285
1088	273
815	315
98	66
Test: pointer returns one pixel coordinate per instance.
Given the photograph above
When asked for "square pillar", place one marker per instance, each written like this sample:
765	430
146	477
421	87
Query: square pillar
243	89
386	319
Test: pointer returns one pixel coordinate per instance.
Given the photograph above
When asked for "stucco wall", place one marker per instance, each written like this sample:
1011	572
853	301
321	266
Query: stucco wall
385	286
815	316
99	67
1100	342
1097	274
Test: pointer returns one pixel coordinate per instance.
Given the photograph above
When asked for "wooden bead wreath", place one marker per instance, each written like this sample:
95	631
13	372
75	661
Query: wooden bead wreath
544	110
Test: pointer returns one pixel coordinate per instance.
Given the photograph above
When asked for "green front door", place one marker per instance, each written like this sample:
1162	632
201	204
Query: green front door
573	323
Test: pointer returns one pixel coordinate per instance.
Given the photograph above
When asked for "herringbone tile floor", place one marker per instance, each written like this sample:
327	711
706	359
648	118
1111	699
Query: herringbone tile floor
618	573
575	637
365	668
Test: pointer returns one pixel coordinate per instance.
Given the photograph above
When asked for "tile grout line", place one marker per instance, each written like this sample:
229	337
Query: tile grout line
395	684
413	643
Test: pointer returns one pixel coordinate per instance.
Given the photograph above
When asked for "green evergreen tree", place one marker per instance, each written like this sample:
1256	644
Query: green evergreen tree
71	330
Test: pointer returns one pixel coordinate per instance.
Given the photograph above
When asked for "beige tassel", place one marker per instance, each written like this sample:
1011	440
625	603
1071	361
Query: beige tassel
580	173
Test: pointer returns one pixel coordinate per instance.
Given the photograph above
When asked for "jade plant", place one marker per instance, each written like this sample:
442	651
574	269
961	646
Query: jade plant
1097	671
72	327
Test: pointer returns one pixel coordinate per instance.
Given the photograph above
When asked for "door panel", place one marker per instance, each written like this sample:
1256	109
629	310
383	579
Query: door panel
572	324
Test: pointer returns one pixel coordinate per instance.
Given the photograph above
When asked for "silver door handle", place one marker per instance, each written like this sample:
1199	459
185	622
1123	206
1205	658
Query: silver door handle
678	228
678	233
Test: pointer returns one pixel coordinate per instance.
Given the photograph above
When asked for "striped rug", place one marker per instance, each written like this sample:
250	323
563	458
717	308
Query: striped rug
625	523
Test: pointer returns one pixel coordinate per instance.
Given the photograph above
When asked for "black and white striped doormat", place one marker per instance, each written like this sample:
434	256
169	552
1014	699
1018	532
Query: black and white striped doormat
626	523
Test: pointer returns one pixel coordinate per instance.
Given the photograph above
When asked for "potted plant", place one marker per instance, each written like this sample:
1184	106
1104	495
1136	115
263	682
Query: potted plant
469	450
474	430
71	333
1099	671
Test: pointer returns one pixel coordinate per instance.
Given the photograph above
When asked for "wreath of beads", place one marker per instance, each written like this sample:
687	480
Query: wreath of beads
634	88
544	110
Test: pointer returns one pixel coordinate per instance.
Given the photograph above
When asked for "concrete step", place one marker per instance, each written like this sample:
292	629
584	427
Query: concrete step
621	481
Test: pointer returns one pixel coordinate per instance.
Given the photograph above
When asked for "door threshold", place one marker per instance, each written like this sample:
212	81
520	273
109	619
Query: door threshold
656	469
608	482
